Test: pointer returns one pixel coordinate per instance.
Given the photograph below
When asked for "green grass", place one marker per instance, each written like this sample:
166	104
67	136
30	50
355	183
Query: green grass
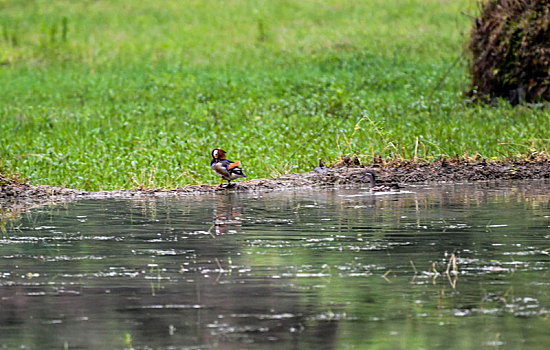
93	99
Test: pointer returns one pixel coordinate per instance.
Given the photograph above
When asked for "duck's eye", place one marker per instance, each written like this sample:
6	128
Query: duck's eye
215	153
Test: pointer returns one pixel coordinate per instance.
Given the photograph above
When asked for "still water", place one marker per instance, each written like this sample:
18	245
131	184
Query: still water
461	266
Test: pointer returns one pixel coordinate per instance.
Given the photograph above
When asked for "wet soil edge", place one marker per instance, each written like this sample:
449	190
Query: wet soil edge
17	196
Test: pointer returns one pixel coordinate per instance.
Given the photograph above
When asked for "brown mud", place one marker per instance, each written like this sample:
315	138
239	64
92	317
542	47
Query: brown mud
17	196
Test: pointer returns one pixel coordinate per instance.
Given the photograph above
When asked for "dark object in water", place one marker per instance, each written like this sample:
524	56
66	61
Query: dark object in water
383	187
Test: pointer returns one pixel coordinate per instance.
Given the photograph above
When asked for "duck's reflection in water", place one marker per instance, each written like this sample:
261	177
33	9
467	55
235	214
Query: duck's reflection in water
227	215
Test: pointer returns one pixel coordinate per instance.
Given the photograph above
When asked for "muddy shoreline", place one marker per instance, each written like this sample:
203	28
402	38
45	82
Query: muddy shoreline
17	197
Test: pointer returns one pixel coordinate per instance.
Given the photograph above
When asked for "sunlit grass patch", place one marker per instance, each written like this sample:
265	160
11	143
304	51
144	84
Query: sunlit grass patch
119	103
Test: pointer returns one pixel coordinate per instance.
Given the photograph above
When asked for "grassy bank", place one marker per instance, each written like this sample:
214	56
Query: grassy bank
94	99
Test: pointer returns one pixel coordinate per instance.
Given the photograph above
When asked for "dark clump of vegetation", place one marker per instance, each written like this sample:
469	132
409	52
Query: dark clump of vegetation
510	44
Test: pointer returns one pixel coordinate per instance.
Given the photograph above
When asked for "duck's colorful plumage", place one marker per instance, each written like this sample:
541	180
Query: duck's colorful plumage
225	168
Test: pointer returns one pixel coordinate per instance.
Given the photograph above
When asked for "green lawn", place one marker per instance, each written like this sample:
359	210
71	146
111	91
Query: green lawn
120	94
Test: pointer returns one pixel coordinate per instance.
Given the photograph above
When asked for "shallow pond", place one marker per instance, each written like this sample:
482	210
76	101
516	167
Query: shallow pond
461	266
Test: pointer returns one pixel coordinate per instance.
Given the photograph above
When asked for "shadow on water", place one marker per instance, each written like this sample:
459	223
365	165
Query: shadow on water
443	266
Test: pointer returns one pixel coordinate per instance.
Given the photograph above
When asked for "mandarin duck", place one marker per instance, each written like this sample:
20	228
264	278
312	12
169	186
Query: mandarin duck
394	186
225	168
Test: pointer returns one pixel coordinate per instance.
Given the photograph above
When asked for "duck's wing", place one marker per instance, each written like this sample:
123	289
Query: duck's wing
237	172
228	169
234	169
221	169
234	164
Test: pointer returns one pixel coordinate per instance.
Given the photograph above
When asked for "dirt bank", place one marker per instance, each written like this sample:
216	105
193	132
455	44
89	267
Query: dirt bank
18	196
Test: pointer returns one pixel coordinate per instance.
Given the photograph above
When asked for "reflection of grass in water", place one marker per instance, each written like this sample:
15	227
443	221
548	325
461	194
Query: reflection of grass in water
99	101
366	310
8	217
3	220
418	304
12	214
128	341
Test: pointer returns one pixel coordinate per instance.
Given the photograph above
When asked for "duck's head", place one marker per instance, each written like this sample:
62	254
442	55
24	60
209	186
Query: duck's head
218	153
